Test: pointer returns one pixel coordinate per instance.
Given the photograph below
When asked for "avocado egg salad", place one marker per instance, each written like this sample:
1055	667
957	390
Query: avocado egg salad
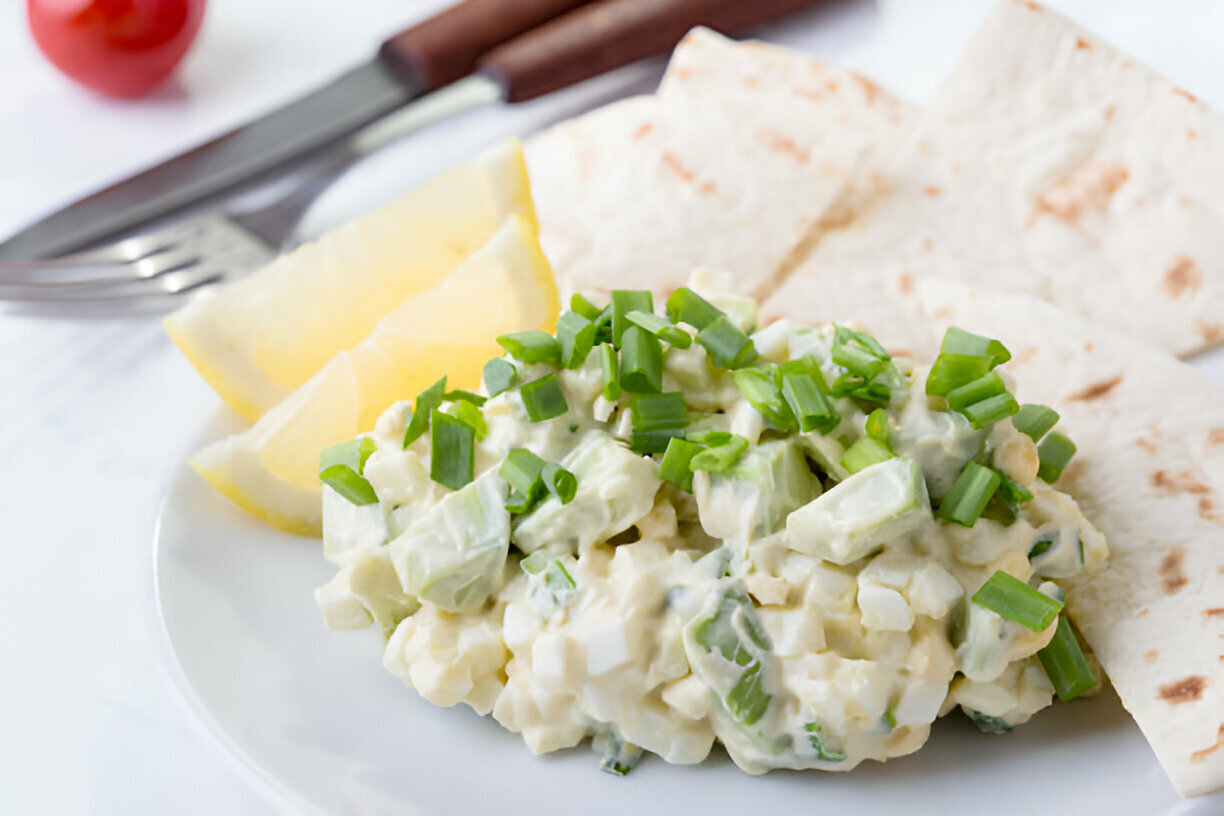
665	527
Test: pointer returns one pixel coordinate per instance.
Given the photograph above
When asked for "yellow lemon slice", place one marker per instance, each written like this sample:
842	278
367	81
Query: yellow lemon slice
271	468
261	337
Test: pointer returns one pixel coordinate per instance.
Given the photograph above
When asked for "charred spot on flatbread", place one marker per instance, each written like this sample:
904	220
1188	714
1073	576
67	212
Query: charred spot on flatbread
1186	690
1171	572
1183	277
1096	390
1200	755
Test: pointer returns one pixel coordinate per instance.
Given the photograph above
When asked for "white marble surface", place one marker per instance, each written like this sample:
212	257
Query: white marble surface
97	416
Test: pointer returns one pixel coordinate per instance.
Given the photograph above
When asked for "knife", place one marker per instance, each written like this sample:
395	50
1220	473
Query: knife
520	49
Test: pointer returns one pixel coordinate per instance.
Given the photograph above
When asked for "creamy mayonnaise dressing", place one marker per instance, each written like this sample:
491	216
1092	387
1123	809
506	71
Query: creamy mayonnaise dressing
804	616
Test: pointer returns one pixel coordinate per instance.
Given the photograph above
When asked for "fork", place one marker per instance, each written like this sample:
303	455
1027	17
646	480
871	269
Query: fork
160	269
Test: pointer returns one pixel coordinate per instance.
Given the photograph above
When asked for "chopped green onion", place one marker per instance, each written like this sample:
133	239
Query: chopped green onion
341	467
686	306
559	482
623	302
1054	452
531	346
727	345
576	336
641	363
662	328
652	412
459	395
675	468
584	307
620	756
610	368
858	360
543	398
1012	492
499	376
521	470
877	425
471	415
850	385
817	742
747	700
763	394
1011	598
989	411
452	449
426	402
951	371
808	365
603	326
983	388
959	341
1035	420
711	438
889	719
717	459
807	402
989	724
648	442
1065	664
864	453
844	336
969	495
519	503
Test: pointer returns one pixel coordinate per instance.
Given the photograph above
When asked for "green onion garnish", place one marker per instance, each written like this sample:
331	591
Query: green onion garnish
1065	664
576	336
471	415
709	438
1011	598
969	495
498	376
652	412
459	395
623	302
864	453
727	345
983	388
521	470
1055	451
341	466
951	371
518	503
686	306
747	700
1035	420
989	411
531	346
851	385
877	425
559	482
860	353
988	724
717	459
543	398
1012	492
641	363
763	394
675	468
661	328
426	402
807	402
452	449
610	368
584	307
817	742
959	341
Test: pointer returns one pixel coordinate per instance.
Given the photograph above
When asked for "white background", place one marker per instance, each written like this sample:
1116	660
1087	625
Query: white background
97	416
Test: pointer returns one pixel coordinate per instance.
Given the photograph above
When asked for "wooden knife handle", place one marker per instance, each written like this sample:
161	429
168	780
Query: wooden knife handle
607	34
447	46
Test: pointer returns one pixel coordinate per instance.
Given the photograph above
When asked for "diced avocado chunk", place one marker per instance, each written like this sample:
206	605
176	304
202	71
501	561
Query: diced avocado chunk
941	442
616	487
878	504
752	499
453	555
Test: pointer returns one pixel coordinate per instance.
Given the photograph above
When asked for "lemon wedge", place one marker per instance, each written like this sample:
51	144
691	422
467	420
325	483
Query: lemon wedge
271	469
261	337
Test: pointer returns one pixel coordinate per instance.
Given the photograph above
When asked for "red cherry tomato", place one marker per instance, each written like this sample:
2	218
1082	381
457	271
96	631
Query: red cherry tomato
118	47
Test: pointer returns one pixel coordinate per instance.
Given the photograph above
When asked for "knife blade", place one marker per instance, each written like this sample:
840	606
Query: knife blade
520	49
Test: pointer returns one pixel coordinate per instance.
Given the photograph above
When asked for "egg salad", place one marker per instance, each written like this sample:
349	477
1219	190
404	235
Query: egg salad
662	528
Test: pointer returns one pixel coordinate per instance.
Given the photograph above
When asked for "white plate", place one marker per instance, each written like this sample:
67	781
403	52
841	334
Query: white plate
314	712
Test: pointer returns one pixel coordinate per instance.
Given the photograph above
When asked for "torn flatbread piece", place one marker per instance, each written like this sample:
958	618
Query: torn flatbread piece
1149	473
731	166
1053	164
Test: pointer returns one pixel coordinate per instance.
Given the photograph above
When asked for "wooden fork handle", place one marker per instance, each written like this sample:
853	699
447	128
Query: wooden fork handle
606	34
447	47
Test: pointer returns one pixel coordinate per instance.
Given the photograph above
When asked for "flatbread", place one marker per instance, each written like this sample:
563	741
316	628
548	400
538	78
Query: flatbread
1150	474
742	140
1050	163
